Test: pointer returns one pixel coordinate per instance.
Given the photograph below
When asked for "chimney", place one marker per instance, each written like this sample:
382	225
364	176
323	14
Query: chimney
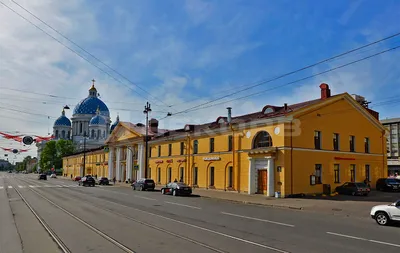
229	114
153	125
325	91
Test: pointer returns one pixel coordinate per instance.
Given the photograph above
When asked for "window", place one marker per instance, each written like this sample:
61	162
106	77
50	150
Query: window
211	176
56	134
169	149
336	169
352	172
159	175
195	175
195	147
150	148
352	143
317	139
230	176
366	145
159	151
92	134
63	134
230	139
181	174
262	140
80	128
318	174
182	148
367	172
169	175
211	145
336	142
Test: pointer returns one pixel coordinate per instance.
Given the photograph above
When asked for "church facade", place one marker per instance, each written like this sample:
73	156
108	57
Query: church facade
89	126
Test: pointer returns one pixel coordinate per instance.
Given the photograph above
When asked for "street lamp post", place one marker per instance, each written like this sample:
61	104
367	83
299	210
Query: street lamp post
84	155
146	111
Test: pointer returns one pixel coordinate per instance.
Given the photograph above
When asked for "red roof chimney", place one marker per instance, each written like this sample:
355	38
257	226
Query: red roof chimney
325	91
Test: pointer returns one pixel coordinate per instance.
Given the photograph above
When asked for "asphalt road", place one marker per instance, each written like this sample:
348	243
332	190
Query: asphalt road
117	219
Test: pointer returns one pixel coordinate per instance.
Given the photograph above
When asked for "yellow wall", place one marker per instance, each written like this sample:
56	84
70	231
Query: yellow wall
338	117
96	163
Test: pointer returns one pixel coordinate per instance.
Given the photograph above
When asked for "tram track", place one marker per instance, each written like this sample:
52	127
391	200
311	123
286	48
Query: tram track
266	247
54	236
145	224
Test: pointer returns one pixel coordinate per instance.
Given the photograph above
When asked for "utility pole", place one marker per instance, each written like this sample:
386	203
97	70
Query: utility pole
146	111
84	155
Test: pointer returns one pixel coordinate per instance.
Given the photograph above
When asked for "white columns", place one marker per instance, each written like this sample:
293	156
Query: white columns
111	163
129	166
252	176
141	161
118	165
270	177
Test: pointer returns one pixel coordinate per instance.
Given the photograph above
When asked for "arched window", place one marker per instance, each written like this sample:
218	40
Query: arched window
93	133
262	140
63	134
80	128
98	134
56	134
195	146
69	135
104	134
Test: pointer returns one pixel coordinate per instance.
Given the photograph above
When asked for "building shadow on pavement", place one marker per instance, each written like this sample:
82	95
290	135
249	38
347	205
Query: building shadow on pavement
374	196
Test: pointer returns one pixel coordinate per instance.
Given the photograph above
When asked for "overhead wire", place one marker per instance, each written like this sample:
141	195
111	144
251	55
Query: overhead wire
195	108
76	52
293	72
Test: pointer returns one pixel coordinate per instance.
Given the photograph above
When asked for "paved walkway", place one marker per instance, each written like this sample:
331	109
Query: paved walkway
337	206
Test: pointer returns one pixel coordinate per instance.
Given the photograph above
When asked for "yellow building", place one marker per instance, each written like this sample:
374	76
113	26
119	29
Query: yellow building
290	149
96	163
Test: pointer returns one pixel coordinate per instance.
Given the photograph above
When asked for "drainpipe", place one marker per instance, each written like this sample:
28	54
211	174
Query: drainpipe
291	157
233	142
190	178
383	153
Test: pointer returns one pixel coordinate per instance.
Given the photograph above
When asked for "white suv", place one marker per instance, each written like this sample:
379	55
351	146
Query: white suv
384	214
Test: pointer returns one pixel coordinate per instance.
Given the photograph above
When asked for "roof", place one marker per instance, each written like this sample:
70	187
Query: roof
389	121
277	111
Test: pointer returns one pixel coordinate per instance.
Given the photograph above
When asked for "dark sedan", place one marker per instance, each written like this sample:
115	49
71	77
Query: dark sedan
42	176
388	184
144	184
87	181
177	189
351	188
104	181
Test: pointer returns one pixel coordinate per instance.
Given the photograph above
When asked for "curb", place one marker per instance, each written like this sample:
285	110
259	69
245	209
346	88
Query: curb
254	203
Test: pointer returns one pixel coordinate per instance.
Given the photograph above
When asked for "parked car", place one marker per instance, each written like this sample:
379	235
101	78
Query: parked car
87	181
177	189
386	214
351	188
42	177
53	176
388	184
77	178
144	184
103	181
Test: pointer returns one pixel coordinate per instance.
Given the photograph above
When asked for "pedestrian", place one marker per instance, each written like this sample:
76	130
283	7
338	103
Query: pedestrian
114	180
175	181
71	176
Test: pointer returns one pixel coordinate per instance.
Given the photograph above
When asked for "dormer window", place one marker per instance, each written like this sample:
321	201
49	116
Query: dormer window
268	110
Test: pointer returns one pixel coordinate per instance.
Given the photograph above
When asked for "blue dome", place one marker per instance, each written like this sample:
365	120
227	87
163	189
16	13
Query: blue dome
97	120
89	105
62	121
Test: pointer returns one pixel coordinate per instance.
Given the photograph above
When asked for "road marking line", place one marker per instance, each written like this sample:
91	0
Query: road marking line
1	187
144	197
32	186
9	187
363	239
20	186
173	203
200	228
257	219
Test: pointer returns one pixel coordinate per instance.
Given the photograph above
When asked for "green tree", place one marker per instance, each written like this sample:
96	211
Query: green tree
53	152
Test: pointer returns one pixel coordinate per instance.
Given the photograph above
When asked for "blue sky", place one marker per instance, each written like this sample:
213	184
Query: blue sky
187	52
